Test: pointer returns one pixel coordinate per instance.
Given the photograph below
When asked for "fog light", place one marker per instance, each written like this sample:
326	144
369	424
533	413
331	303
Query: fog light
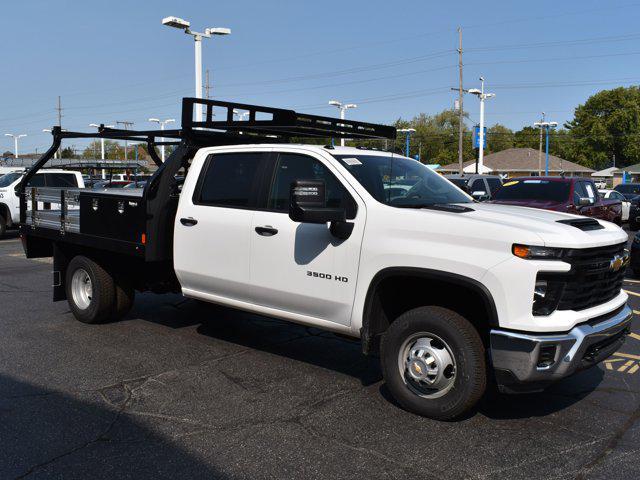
540	290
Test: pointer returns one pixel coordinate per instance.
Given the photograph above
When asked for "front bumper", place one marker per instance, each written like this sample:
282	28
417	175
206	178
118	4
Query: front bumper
529	362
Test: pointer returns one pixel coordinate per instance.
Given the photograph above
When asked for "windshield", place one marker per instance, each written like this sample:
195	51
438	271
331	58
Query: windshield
8	179
401	182
545	190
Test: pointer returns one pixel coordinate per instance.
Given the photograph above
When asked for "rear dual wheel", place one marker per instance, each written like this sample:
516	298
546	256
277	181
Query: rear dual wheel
94	296
433	362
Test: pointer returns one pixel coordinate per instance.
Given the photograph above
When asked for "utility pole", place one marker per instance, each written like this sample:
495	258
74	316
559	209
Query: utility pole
460	109
540	148
126	124
207	87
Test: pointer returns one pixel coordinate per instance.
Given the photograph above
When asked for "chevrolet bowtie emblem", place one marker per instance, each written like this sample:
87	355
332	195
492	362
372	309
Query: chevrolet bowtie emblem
616	263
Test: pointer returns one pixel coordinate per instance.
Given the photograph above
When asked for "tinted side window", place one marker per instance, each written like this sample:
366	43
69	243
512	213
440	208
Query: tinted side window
37	180
230	180
290	167
478	185
61	180
494	184
579	192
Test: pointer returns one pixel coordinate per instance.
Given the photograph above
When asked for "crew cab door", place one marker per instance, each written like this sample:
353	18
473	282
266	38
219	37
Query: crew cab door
213	225
301	268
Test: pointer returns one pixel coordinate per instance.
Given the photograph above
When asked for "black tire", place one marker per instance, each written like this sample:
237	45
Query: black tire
470	380
125	296
3	226
102	301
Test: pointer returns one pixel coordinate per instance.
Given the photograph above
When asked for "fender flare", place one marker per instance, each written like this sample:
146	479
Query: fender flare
366	334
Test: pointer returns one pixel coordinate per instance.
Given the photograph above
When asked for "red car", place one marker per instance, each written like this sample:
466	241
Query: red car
572	195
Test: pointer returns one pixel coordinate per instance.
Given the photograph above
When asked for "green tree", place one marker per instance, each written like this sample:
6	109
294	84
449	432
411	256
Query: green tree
607	124
499	138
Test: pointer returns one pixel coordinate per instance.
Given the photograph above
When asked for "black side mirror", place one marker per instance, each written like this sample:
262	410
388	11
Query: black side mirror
307	204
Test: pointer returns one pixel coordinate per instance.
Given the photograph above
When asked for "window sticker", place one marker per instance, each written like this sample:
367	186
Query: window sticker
352	161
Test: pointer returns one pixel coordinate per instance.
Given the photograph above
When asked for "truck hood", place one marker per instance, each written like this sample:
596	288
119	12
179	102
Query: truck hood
544	223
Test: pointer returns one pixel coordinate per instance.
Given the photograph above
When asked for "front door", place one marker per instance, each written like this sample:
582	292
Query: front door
301	268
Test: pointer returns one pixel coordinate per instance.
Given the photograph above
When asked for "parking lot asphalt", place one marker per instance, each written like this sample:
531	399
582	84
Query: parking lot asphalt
177	390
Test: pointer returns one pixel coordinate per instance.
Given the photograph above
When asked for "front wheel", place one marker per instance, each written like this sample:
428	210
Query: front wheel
433	362
3	226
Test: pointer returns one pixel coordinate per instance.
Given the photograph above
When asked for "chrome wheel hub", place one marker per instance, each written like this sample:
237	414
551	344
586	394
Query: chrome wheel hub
81	289
427	365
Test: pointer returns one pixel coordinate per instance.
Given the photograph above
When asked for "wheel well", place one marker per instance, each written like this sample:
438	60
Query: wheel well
5	213
396	291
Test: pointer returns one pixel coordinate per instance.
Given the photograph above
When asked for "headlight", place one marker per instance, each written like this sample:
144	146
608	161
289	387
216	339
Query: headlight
536	253
546	295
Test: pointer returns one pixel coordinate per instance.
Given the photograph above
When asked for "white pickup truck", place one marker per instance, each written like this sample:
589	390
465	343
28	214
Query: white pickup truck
9	200
449	292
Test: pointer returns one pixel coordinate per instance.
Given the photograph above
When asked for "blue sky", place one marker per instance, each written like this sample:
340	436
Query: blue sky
115	61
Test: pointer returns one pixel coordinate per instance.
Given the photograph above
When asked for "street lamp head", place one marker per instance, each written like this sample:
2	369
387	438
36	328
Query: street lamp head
351	105
407	130
176	22
156	120
553	124
474	91
218	31
489	95
335	103
94	125
170	120
482	79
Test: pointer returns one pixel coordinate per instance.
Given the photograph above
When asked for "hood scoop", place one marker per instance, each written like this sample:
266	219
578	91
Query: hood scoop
584	224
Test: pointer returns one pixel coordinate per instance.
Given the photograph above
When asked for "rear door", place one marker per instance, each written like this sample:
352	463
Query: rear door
213	225
300	268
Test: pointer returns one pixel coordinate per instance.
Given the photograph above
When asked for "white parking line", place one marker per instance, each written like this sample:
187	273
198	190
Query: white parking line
631	281
633	293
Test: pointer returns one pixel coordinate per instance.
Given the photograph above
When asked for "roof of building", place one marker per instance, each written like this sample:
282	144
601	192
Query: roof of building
632	169
607	172
520	160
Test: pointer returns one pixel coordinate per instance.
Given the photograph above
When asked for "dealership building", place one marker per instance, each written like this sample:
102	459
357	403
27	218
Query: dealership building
520	162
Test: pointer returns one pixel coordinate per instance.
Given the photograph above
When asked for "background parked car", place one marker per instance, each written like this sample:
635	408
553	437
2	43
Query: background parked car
140	184
615	195
572	195
111	184
480	187
629	190
634	262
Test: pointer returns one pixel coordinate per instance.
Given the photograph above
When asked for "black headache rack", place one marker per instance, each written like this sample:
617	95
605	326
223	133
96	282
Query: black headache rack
142	225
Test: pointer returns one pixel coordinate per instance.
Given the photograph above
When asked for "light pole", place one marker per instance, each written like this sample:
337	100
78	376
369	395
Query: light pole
408	131
15	142
546	126
162	123
343	107
104	175
181	24
482	96
240	114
